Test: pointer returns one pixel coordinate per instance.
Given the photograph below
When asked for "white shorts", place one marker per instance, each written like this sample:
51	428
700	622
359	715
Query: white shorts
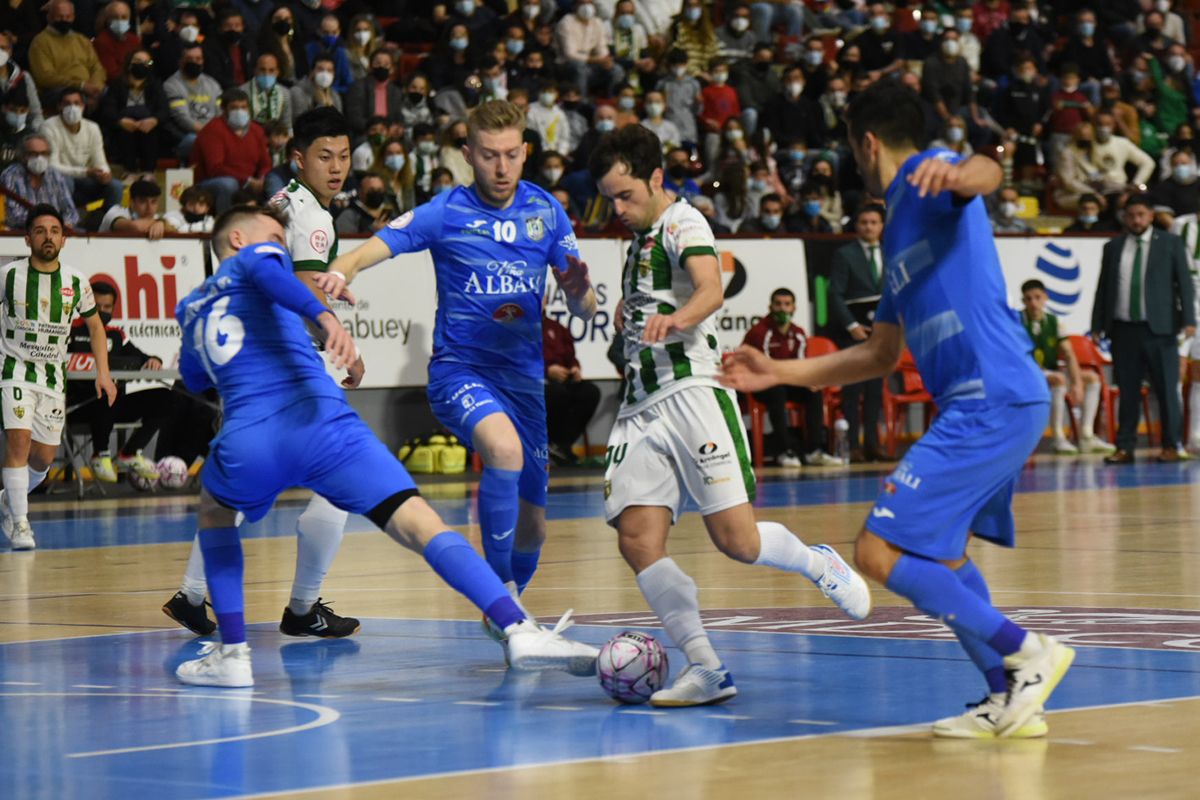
693	439
30	408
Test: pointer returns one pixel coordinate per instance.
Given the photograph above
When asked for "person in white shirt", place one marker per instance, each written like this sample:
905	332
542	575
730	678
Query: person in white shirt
1112	154
77	151
582	42
141	218
666	131
195	212
970	48
549	121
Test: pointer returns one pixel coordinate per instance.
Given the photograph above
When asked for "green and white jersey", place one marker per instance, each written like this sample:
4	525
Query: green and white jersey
311	236
654	281
35	318
1188	227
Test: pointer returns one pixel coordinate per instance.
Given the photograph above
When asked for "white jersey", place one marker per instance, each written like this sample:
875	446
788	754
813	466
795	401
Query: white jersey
1187	227
35	322
654	281
311	236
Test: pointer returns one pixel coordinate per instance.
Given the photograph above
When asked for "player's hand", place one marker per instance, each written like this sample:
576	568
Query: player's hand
334	284
659	327
747	370
860	333
355	374
619	316
575	280
338	343
557	373
106	388
934	176
152	363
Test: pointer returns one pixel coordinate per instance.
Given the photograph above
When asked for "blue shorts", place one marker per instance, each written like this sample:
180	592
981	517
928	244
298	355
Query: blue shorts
318	443
461	396
958	479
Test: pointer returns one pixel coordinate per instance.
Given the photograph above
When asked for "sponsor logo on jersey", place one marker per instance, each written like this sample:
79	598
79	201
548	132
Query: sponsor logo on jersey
509	312
505	277
709	480
883	513
905	477
20	412
67	291
535	229
569	242
319	241
479	223
401	221
708	448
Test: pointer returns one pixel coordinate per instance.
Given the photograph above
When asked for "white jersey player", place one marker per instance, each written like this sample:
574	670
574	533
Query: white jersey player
1187	226
39	296
678	432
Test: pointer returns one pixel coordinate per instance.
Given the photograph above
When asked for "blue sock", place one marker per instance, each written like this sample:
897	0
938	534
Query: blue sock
223	568
523	566
989	662
498	504
457	563
934	589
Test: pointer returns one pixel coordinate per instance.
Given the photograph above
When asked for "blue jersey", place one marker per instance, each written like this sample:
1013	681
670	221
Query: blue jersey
944	284
491	274
242	336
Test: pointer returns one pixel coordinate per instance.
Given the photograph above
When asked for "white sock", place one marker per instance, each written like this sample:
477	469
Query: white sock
1194	412
319	534
194	585
672	596
1058	408
36	476
780	548
1091	404
16	490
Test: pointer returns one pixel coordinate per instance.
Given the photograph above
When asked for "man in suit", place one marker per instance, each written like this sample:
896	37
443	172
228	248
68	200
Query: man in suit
1143	297
853	295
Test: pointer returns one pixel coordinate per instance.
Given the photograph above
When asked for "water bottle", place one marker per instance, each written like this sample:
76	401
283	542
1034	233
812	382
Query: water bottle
841	442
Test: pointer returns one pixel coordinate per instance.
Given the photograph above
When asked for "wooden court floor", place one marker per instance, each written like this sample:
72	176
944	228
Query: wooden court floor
1093	544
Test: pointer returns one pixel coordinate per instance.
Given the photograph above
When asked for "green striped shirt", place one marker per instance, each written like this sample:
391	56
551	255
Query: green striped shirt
36	321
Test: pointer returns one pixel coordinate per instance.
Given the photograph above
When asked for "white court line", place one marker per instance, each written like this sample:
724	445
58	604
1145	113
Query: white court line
19	683
398	699
1145	748
91	686
162	689
731	717
560	708
325	716
643	712
486	703
812	722
1079	742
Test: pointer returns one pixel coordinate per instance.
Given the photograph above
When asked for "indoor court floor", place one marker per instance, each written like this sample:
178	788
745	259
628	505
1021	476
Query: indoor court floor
418	703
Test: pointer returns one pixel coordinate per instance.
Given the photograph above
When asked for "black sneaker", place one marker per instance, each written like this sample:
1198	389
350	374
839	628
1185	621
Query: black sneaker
194	618
320	621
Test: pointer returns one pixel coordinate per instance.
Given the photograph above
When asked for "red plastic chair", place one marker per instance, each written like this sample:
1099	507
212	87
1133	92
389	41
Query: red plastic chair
912	393
1088	356
831	402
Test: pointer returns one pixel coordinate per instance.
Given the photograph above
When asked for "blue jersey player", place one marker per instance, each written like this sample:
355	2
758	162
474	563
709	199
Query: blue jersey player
286	423
943	297
491	243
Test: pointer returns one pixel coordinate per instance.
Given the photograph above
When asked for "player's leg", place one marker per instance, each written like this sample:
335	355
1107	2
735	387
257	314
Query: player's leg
527	549
496	440
1088	441
1194	396
529	418
1057	382
319	532
1162	366
187	605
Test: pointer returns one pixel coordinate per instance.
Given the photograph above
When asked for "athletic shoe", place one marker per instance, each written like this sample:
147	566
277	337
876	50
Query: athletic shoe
320	621
819	458
788	459
532	647
22	535
137	463
696	686
194	618
1063	447
1094	444
219	665
979	722
102	468
842	585
1031	679
494	631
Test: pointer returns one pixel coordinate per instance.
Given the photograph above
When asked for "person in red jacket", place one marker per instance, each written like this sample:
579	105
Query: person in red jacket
231	151
776	336
719	102
570	400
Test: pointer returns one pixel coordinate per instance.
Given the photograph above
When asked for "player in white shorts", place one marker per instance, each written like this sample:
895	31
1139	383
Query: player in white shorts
1188	227
677	430
38	297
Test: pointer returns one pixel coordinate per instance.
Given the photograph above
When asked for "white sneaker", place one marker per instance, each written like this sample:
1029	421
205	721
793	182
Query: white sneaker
22	535
1031	679
532	647
219	665
1094	444
819	458
1064	447
842	585
979	722
696	686
788	459
102	468
494	631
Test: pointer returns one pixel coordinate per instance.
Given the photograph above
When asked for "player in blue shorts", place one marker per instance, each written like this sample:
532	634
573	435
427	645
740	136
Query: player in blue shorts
491	243
945	289
286	423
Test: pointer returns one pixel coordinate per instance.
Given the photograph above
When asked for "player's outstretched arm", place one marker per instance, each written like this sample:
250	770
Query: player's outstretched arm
975	176
99	342
367	255
581	297
707	298
749	370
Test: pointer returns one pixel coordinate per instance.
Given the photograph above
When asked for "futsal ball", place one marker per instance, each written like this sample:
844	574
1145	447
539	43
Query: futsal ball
632	666
172	472
142	482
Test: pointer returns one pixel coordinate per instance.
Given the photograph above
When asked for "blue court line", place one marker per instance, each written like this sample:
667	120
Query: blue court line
99	527
416	698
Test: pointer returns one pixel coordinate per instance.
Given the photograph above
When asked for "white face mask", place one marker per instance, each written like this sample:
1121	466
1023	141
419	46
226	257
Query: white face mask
954	135
1162	6
606	125
734	134
585	11
552	175
72	114
189	33
739	24
951	47
323	79
794	89
362	37
680	71
719	78
692	14
654	110
548	99
38	164
1176	63
119	27
3	57
1103	134
771	221
1008	209
532	12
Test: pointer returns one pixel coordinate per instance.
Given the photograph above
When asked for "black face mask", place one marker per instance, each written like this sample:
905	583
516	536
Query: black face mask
677	171
282	27
62	26
762	66
460	142
193	216
374	199
231	37
191	70
381	74
105	317
415	98
1017	28
139	71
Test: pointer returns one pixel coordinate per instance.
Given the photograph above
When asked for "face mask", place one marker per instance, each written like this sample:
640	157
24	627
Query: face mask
1184	172
323	79
514	46
532	12
282	27
626	103
294	166
265	82
414	98
1070	87
491	84
4	56
1008	210
929	26
1026	77
739	24
771	222
38	164
1176	63
362	37
757	185
680	71
781	317
139	71
105	317
62	26
193	216
691	14
879	24
381	74
1017	29
312	4
458	44
1087	29
837	99
814	58
330	40
963	24
585	11
954	135
547	99
239	118
465	7
1103	134
460	141
951	47
1089	219
231	37
1083	144
374	198
377	139
427	148
677	171
606	125
119	27
552	175
72	114
189	33
797	156
15	121
719	78
1138	75
795	89
394	162
812	207
762	66
191	70
1162	6
734	135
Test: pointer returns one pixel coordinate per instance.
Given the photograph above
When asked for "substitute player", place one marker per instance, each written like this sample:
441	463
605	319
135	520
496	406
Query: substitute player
491	243
1187	226
288	424
943	283
38	297
321	148
678	432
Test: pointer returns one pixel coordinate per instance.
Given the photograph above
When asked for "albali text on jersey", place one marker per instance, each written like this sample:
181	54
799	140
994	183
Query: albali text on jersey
35	322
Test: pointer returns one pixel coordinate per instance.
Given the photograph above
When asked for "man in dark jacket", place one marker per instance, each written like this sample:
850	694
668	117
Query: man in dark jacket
570	400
